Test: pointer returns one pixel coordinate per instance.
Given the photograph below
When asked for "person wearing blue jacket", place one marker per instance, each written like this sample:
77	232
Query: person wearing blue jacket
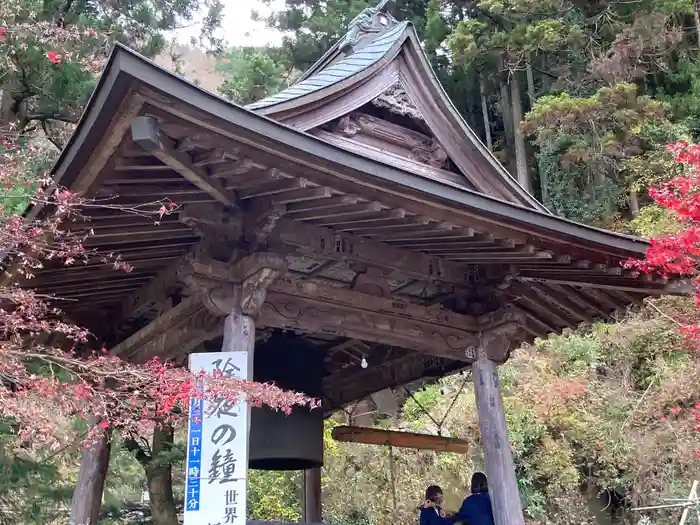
476	509
431	512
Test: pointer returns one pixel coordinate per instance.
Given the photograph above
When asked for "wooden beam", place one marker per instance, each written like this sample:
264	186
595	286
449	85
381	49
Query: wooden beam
163	333
314	308
680	287
146	133
326	243
562	302
311	307
377	436
396	369
154	292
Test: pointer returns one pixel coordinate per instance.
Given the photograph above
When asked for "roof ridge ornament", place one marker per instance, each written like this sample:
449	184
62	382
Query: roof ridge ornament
371	21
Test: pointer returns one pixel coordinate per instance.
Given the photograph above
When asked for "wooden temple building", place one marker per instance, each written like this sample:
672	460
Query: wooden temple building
352	217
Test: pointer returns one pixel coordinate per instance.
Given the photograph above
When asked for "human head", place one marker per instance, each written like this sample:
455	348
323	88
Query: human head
479	483
434	493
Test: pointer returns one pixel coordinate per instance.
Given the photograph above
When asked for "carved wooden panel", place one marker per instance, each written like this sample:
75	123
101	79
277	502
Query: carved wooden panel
392	138
397	101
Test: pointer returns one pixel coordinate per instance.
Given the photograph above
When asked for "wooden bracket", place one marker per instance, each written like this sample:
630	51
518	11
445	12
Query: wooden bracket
498	342
260	220
145	132
224	287
370	280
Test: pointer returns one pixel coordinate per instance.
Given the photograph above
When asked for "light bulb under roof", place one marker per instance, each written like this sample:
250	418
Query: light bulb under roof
363	363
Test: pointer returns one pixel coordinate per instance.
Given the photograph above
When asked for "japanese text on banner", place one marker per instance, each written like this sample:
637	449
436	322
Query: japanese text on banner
217	448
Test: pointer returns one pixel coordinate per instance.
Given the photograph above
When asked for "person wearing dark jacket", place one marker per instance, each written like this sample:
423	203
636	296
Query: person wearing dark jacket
431	512
476	509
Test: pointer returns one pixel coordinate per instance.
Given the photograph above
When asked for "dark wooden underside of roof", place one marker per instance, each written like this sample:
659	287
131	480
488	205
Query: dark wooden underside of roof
470	260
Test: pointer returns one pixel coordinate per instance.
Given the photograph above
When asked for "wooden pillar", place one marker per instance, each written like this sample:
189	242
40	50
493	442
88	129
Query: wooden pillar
312	495
87	497
239	335
500	468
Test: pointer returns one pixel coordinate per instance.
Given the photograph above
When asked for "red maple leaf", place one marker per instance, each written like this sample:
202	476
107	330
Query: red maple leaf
53	57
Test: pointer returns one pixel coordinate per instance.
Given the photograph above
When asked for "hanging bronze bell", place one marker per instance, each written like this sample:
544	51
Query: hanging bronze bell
279	441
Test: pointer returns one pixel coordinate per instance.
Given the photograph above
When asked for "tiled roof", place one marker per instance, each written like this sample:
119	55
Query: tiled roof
359	61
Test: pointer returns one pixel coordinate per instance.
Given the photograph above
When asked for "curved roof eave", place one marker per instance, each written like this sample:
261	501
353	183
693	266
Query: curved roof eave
127	67
468	132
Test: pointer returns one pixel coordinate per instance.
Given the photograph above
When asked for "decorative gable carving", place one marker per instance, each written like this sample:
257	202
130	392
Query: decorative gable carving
391	137
396	100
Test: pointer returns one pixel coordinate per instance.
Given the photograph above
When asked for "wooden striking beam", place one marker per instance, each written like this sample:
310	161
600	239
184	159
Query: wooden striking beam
377	436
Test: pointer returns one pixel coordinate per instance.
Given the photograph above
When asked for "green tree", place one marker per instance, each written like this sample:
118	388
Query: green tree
314	27
505	37
50	56
588	146
251	74
52	51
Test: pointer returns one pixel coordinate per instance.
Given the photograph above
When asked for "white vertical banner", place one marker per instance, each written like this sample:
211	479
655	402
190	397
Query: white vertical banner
217	448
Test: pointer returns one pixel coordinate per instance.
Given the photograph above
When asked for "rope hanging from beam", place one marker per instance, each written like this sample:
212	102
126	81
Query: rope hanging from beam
392	438
447	412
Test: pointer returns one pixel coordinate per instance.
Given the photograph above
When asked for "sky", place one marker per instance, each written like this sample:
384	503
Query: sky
238	29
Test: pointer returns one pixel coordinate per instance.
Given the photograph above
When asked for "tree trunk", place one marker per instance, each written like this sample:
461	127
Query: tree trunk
544	186
696	15
634	203
160	481
87	497
530	85
5	109
506	114
485	113
519	139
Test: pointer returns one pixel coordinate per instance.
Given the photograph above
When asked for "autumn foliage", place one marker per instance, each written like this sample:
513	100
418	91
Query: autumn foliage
676	255
44	386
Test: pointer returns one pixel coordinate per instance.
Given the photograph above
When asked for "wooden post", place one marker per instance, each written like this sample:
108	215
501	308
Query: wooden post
500	469
312	495
239	335
87	497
